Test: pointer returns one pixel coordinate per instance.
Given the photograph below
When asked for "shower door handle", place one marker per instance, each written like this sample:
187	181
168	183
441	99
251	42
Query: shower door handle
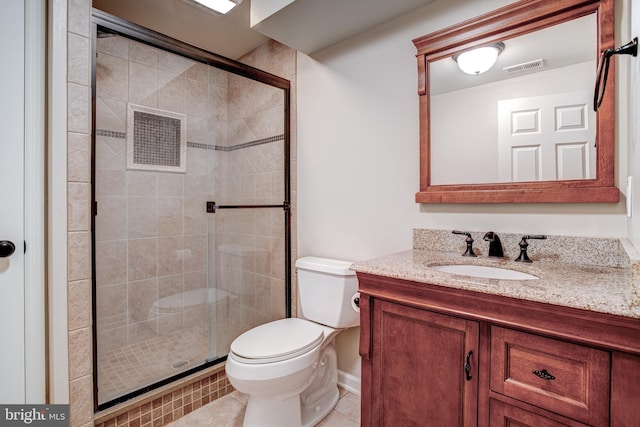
7	248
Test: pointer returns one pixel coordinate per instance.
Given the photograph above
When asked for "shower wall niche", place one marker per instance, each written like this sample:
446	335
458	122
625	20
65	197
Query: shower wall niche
174	285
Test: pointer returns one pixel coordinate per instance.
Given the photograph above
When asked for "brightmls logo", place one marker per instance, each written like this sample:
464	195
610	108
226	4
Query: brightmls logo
34	415
25	416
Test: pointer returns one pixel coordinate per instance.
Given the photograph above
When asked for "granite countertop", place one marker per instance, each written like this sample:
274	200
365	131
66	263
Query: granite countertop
606	289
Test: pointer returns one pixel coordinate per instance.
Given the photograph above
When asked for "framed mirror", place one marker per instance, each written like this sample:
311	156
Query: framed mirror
523	130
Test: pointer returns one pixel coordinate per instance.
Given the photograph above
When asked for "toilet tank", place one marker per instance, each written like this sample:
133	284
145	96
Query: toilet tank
326	289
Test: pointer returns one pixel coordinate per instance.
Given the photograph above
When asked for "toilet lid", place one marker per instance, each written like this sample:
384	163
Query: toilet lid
278	340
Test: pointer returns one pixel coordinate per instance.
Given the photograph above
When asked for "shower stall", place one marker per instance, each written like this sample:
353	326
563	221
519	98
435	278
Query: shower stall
191	214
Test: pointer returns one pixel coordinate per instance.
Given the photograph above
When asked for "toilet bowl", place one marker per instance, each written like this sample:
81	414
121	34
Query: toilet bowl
288	367
275	378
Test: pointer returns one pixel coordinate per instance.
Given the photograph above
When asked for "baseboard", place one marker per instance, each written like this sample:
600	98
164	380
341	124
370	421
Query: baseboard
349	382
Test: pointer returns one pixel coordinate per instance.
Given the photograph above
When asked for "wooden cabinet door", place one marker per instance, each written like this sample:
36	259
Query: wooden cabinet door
417	368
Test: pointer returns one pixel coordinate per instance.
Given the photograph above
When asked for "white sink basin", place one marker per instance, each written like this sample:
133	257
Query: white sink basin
484	272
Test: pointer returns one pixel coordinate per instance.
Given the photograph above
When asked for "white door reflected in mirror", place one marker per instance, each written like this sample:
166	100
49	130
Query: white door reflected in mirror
545	138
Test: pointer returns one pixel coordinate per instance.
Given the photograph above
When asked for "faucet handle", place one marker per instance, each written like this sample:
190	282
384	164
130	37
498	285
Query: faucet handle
469	240
523	257
538	236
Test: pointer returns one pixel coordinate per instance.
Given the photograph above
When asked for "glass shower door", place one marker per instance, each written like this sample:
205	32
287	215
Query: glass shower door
251	210
173	283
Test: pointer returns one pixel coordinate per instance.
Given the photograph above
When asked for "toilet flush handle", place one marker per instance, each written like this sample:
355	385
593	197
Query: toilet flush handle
355	302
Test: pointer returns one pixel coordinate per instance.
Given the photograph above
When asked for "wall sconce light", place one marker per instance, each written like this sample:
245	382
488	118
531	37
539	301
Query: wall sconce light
219	6
477	61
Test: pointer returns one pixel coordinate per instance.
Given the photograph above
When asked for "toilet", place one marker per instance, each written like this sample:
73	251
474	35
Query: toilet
288	367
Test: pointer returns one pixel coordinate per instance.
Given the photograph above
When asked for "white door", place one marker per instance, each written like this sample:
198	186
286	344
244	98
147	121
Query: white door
545	138
12	332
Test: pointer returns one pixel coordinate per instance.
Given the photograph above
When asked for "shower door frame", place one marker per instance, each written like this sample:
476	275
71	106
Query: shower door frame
138	33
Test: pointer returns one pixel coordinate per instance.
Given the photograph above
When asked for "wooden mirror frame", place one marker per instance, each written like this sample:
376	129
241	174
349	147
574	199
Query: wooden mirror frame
513	20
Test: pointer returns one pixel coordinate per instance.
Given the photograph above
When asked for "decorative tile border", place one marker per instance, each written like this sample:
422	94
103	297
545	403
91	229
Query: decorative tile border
193	144
111	134
168	404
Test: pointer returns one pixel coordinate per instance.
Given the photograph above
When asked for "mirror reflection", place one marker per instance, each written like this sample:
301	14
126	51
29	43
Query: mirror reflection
528	118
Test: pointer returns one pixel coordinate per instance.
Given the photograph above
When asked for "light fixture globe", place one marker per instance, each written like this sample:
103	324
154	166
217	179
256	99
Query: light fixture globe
479	60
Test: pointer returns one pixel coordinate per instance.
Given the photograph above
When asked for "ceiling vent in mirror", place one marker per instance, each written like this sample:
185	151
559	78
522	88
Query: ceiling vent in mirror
525	66
156	139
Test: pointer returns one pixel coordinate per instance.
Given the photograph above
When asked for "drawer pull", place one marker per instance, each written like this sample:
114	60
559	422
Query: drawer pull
467	366
544	375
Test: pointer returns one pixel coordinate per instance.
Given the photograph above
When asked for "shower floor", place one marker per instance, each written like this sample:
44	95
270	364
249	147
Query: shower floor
138	365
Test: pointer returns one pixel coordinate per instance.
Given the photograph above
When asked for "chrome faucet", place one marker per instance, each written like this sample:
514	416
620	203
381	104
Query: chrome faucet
495	246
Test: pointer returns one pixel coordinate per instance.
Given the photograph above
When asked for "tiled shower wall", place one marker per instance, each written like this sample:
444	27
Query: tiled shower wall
271	57
78	224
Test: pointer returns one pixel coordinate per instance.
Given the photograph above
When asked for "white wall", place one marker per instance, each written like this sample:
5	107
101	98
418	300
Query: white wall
358	153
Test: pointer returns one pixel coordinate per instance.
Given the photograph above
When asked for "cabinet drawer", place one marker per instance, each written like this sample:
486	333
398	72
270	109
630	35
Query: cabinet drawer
504	415
568	379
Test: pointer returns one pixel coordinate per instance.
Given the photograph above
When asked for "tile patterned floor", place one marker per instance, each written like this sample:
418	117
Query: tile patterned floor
228	412
138	365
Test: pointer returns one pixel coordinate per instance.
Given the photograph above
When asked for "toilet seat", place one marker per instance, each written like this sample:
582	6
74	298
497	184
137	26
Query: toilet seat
276	341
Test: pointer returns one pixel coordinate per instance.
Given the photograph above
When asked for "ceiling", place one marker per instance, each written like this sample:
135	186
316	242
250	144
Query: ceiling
305	25
312	25
227	35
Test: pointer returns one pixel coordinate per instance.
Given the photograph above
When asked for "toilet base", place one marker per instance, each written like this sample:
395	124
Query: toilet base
313	415
270	412
322	394
300	410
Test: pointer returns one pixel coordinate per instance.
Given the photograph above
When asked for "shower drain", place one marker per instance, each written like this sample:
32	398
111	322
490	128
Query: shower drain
179	364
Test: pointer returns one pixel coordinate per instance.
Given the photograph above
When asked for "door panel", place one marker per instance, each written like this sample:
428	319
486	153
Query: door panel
12	368
546	138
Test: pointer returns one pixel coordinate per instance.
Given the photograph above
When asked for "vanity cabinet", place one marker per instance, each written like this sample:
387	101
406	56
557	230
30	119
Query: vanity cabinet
438	356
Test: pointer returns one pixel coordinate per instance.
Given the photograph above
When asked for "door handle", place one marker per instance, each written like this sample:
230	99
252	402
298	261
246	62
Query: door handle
7	248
